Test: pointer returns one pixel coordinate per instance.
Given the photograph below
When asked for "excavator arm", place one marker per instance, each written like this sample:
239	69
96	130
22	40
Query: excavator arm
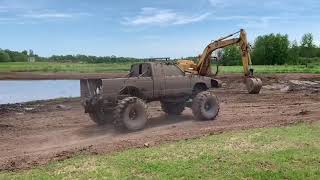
204	60
203	67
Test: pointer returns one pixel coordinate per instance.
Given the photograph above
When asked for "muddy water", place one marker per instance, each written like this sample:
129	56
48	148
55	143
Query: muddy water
23	91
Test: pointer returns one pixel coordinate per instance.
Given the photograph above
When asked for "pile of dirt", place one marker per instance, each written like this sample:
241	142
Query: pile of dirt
19	107
312	86
37	106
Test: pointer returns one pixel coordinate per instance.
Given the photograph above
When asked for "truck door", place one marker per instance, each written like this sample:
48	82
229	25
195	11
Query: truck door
158	80
176	82
142	74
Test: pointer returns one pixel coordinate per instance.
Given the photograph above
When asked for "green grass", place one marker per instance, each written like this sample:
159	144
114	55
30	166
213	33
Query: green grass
270	153
124	67
63	67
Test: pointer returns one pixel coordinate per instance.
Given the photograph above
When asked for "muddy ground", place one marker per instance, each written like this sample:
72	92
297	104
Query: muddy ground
40	132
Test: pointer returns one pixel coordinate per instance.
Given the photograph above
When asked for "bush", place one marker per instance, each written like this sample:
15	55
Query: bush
231	56
271	49
4	57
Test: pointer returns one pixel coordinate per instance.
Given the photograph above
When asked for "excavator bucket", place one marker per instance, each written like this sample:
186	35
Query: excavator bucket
254	85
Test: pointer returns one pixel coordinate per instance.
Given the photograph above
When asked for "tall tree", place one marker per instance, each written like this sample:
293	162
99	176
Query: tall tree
4	56
294	51
271	49
318	52
231	56
308	48
25	52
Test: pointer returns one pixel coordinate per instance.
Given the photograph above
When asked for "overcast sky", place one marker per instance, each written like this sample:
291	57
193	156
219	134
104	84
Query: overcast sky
146	28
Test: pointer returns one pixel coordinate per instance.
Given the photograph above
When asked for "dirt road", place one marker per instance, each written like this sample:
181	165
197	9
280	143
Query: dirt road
37	133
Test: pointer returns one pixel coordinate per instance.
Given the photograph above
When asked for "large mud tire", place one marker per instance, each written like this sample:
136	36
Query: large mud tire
100	117
205	106
131	114
173	108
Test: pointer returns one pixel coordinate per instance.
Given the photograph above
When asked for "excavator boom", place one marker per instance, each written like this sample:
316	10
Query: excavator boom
203	66
204	60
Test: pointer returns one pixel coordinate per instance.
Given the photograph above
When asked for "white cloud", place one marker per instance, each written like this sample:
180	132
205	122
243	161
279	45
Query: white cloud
246	18
9	20
187	20
34	11
227	18
53	15
154	16
260	22
256	22
3	9
33	17
216	3
3	19
48	15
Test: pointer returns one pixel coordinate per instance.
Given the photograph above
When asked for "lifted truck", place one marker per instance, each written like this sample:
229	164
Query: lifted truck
185	84
122	101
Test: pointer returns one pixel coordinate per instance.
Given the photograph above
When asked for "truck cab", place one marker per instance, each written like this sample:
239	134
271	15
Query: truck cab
160	80
150	81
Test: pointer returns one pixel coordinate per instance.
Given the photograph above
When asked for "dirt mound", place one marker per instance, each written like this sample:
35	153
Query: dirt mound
312	86
58	129
36	106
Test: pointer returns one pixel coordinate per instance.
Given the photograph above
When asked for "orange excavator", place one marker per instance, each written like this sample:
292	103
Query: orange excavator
203	67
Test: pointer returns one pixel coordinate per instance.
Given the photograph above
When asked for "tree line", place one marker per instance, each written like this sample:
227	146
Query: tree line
271	49
89	59
276	49
15	56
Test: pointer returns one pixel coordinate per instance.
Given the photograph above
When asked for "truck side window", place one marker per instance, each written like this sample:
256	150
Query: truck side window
140	69
171	70
134	72
146	70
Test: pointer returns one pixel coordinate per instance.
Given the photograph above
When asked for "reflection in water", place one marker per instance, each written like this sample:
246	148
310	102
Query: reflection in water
23	91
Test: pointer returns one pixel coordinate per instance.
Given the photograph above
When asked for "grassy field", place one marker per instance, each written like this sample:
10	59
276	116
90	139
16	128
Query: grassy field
124	67
63	67
270	153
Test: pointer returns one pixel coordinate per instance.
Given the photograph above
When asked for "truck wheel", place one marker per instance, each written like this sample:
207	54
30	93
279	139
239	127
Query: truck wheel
131	114
172	108
205	106
100	118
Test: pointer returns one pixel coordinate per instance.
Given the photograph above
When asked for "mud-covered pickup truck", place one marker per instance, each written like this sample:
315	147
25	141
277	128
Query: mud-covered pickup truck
122	101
